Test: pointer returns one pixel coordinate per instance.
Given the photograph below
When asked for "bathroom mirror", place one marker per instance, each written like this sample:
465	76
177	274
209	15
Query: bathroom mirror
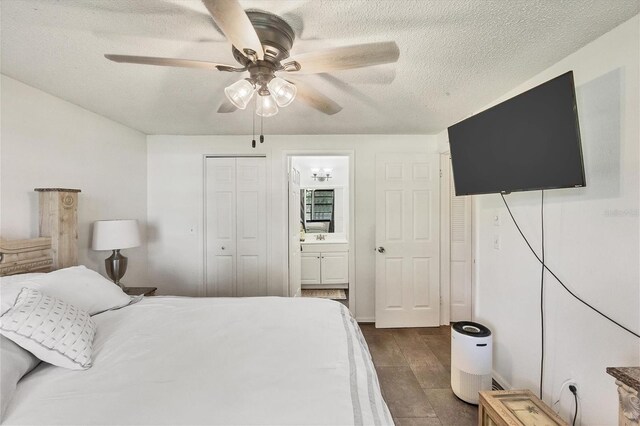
321	210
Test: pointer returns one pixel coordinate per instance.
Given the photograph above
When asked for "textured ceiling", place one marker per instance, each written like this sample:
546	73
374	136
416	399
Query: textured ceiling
455	57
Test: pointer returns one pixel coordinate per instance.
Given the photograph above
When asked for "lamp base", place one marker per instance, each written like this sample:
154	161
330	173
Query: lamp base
116	266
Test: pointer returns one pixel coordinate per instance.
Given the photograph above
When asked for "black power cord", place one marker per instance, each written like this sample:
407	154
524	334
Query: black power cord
559	280
574	391
542	292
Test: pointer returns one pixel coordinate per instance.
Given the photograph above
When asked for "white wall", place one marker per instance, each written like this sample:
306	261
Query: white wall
175	204
48	142
592	242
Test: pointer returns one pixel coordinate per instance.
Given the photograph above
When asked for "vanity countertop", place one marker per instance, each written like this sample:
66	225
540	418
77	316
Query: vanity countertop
329	241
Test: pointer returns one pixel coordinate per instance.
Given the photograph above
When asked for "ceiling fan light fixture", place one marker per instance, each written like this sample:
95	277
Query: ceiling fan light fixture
283	92
240	93
266	105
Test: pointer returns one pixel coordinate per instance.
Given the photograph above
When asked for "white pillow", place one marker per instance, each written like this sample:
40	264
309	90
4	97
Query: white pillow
10	279
9	288
51	329
79	286
15	362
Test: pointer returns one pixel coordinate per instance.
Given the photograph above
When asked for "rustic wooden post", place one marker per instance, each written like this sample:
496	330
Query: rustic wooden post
59	220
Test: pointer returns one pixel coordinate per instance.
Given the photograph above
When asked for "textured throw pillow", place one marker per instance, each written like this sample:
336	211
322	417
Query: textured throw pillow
10	286
79	286
15	362
51	329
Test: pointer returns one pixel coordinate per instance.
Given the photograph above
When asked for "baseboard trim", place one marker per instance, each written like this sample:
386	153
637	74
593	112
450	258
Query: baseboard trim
500	381
366	320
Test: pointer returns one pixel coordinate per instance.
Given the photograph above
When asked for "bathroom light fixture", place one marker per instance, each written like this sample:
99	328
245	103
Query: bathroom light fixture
321	176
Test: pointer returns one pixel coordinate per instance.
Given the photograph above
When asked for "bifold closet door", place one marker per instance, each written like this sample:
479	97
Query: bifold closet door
221	227
236	227
251	227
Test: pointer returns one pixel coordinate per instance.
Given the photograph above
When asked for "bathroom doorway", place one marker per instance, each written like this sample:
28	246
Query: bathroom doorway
321	245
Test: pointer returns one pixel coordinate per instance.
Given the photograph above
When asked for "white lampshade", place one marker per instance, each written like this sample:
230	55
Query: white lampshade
115	234
266	106
282	91
240	93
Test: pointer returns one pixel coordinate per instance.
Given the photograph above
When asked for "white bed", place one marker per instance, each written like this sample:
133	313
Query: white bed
172	360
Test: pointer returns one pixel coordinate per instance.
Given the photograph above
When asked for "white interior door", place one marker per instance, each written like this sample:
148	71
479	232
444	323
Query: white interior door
407	239
295	261
221	227
236	235
251	228
461	256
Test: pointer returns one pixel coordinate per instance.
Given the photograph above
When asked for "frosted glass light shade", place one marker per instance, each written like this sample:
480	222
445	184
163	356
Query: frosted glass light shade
266	106
115	234
283	92
240	93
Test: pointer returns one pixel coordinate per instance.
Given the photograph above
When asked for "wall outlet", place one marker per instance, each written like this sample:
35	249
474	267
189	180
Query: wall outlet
496	242
564	401
565	386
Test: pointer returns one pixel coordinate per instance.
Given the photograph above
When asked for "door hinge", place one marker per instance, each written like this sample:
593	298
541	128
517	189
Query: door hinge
440	172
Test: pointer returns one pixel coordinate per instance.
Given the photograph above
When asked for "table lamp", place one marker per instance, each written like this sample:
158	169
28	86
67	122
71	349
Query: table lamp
115	235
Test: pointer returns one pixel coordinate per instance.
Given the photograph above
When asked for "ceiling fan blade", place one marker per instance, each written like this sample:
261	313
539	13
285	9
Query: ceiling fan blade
232	20
309	95
226	107
348	57
167	62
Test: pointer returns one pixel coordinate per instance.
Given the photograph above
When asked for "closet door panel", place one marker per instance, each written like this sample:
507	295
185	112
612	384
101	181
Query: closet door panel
251	227
220	219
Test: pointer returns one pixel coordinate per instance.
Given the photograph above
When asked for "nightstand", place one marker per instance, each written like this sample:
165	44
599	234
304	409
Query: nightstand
137	291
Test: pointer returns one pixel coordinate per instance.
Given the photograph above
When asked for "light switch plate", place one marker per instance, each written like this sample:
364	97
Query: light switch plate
496	218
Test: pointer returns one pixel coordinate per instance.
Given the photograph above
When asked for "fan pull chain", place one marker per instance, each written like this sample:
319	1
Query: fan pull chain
253	124
261	132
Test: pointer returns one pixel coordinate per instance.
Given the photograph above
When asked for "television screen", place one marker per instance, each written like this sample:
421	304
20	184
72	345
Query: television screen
529	142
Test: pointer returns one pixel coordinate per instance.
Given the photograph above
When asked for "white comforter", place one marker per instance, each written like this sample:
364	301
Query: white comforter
249	361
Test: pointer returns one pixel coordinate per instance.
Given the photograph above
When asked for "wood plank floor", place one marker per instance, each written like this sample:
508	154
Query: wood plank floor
413	366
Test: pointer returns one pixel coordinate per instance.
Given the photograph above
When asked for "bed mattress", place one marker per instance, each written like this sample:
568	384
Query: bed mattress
248	361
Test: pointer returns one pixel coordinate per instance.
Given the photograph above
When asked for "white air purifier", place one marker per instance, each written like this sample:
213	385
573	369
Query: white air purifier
471	360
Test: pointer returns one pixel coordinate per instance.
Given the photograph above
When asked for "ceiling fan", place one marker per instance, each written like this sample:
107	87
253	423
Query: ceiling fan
261	43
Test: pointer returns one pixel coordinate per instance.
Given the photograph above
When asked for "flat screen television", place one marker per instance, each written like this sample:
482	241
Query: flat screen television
529	142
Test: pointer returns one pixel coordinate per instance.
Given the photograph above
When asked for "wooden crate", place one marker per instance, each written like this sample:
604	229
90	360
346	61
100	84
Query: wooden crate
515	408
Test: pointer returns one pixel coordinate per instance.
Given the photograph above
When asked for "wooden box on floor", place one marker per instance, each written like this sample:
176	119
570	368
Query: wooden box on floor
515	408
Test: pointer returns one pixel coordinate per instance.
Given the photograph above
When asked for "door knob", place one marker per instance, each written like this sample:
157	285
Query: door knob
381	249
